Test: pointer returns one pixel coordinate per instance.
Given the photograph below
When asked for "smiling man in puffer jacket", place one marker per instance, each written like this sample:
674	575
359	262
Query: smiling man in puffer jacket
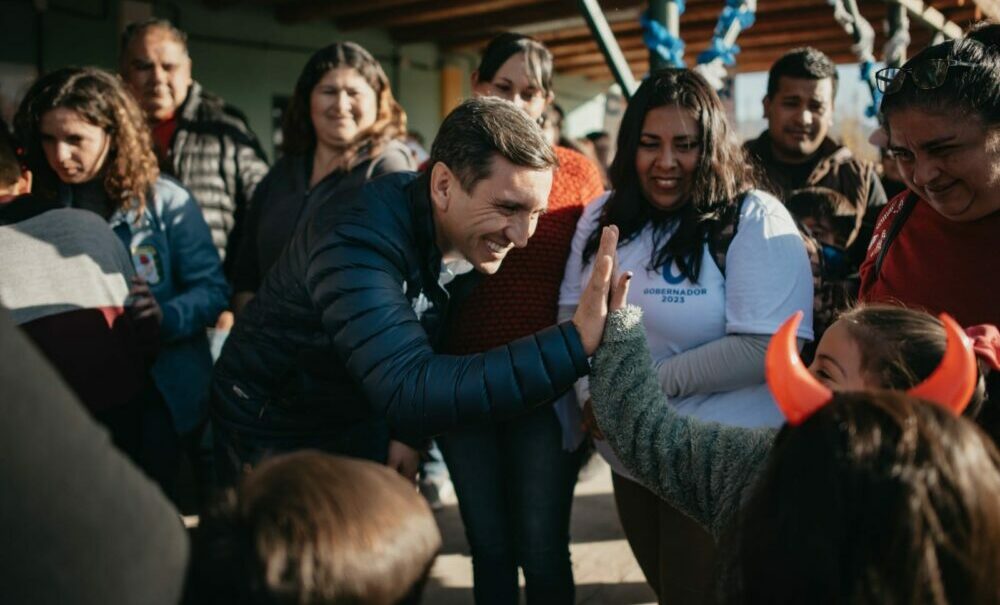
337	350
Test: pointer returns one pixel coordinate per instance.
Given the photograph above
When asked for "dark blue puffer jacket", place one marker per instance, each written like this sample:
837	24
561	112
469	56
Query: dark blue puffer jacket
332	339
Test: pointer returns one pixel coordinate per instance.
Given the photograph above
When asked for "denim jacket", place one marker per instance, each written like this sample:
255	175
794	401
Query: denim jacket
171	247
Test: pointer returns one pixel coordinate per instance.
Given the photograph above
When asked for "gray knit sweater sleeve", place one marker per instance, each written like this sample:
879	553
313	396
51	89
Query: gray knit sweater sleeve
702	468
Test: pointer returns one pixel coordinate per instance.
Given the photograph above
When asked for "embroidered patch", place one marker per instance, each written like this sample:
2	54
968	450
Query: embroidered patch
148	264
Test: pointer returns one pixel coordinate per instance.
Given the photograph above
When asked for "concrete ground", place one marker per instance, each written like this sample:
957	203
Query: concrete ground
603	566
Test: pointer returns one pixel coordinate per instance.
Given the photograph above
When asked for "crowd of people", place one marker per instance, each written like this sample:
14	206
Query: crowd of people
792	374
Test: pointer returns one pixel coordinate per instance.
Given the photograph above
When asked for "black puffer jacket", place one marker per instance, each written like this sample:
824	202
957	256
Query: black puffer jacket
216	156
284	198
345	325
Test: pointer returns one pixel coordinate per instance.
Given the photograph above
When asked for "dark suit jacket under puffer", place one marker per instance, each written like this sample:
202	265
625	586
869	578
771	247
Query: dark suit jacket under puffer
345	326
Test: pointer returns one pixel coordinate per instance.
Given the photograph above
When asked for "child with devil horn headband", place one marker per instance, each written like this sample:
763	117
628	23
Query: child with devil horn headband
866	495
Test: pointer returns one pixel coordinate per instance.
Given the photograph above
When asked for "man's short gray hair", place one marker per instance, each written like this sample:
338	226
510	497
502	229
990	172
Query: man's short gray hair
481	128
137	28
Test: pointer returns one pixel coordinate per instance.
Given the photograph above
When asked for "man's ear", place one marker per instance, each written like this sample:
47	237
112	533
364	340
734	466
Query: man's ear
23	184
766	102
443	184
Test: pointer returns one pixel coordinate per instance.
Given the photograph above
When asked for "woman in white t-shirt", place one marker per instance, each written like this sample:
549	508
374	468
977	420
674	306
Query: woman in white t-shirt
717	266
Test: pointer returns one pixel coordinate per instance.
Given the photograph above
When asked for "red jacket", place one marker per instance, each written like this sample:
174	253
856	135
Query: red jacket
936	264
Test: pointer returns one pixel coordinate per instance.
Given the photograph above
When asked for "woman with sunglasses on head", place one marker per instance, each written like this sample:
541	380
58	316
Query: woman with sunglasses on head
935	245
514	480
717	266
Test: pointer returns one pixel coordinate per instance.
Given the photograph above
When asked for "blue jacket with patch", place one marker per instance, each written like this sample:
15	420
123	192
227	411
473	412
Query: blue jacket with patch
171	247
344	328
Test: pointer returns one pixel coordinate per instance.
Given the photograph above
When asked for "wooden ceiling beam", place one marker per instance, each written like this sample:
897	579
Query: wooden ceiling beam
825	40
589	46
703	13
476	39
421	13
568	45
577	39
702	19
832	46
540	17
485	25
769	33
709	11
634	54
312	10
473	32
764	33
640	68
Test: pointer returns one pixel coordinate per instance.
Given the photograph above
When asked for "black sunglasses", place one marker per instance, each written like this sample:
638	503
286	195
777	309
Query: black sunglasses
928	75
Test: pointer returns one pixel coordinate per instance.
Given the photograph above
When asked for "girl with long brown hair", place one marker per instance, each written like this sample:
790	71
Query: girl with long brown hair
866	494
88	144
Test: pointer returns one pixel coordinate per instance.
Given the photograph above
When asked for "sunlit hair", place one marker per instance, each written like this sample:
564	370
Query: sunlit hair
537	59
900	347
721	178
966	90
876	498
817	201
298	131
311	528
479	130
130	169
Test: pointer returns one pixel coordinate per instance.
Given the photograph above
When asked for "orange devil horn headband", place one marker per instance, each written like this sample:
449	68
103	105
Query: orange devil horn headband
798	394
954	381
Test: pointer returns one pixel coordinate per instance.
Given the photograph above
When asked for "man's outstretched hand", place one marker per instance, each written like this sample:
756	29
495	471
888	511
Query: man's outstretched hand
602	293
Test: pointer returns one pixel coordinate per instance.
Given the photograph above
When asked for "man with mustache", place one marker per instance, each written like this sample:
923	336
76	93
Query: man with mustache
796	150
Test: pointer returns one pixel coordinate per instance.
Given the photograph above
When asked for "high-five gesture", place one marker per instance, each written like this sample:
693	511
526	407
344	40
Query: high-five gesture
594	302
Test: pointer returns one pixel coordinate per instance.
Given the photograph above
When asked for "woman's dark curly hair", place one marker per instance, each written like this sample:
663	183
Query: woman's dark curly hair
298	132
721	179
100	98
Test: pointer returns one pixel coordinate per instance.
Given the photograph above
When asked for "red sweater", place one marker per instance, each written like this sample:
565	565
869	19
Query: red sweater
937	265
163	134
523	296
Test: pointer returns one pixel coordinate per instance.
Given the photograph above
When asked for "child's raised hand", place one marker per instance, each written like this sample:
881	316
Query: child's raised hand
619	292
602	294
